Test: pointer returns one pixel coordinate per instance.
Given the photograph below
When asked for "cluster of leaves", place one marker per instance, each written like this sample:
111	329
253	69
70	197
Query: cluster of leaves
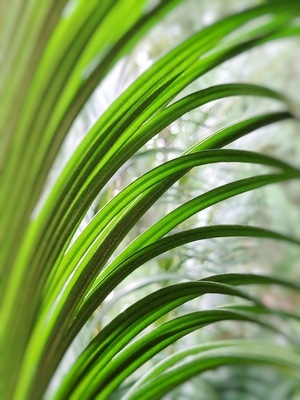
56	53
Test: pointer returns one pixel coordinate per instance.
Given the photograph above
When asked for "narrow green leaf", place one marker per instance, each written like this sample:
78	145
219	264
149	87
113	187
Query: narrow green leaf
188	363
137	317
107	221
167	243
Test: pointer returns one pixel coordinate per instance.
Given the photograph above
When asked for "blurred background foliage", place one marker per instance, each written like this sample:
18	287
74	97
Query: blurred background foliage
276	65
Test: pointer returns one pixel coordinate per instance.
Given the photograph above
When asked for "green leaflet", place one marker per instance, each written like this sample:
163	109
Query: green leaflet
115	353
89	263
221	138
198	359
149	345
55	53
112	218
36	165
112	339
169	242
113	121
